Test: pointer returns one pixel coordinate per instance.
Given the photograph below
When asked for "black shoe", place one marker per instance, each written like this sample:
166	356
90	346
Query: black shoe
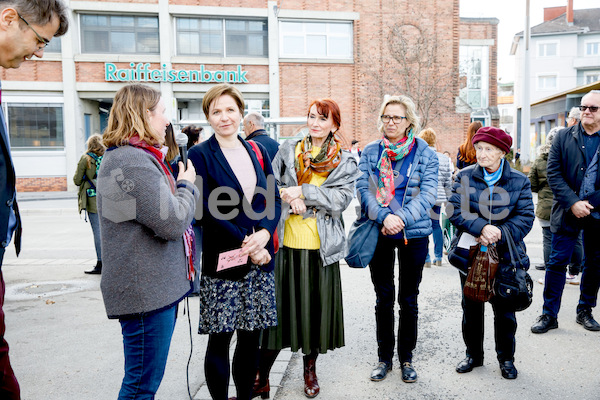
380	371
540	267
585	318
409	375
467	365
97	270
544	323
508	370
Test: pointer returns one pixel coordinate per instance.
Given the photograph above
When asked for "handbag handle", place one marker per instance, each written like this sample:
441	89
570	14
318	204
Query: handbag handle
512	247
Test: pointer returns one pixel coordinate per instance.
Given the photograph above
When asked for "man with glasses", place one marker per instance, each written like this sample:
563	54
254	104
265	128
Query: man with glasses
574	179
26	27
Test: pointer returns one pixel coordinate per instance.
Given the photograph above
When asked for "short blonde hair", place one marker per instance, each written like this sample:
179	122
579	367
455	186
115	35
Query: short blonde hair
219	90
409	106
128	115
429	136
94	145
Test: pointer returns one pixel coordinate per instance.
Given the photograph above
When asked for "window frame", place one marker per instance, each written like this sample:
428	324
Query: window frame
543	43
137	30
304	35
24	102
592	42
484	75
546	75
587	74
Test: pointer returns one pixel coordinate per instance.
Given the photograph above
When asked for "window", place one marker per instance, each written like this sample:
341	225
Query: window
54	46
547	49
310	39
592	48
591	77
35	126
119	34
547	82
474	70
222	37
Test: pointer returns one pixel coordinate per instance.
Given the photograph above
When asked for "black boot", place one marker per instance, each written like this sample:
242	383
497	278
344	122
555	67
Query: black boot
97	270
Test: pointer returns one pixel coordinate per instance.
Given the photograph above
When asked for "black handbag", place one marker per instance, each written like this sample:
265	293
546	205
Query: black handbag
457	256
513	285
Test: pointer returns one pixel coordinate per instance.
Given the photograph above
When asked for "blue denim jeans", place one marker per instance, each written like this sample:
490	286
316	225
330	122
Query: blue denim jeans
146	342
438	237
563	246
95	223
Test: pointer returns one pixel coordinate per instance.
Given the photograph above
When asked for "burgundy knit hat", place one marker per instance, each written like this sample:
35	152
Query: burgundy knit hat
494	136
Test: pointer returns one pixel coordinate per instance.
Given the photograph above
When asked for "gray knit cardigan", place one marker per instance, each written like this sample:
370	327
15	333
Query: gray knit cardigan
142	224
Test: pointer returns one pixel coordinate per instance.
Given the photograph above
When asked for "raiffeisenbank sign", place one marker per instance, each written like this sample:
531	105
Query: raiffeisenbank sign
142	73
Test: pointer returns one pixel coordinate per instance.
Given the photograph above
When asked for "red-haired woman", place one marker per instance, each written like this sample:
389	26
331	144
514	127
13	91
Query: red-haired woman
466	151
316	178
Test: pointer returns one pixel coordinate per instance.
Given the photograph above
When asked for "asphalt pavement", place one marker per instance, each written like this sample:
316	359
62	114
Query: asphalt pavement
63	347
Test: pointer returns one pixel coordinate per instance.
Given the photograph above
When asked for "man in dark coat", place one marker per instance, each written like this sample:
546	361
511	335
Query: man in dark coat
254	127
26	27
574	179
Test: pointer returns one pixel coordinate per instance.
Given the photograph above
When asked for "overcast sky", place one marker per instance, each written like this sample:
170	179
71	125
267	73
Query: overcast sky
511	14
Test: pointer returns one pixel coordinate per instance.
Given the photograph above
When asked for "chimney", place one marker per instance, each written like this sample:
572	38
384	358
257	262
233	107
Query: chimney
552	12
570	12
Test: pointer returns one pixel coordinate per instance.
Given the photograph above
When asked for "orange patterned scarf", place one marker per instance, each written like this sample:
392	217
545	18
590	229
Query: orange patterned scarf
326	161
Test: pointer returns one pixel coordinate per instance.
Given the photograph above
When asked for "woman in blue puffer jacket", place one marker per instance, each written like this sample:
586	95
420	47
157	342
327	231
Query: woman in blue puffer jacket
397	187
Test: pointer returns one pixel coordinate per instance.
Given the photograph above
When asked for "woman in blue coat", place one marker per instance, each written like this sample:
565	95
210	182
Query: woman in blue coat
489	197
239	212
397	187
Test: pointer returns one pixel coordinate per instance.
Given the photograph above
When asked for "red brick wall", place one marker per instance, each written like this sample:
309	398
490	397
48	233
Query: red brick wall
46	71
44	184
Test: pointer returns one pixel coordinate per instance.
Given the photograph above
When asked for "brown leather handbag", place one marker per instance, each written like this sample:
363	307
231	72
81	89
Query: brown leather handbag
479	285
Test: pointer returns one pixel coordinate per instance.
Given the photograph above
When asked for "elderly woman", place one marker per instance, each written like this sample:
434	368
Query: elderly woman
486	197
145	218
239	213
85	178
446	168
397	187
317	179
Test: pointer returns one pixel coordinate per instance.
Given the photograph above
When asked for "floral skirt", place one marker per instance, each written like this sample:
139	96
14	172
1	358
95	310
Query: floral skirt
309	303
247	304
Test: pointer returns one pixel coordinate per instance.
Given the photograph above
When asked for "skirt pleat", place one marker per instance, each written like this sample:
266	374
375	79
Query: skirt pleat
309	303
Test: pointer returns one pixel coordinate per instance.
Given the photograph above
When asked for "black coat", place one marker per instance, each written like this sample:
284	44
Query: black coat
511	208
260	136
567	164
7	192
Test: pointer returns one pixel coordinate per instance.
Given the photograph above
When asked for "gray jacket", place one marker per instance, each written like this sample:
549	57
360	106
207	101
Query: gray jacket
327	201
444	178
142	224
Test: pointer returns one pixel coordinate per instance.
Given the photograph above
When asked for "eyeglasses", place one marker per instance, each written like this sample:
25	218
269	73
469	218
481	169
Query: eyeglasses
386	119
592	109
43	42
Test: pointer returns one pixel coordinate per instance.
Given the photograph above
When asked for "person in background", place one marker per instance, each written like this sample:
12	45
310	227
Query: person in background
234	297
466	152
26	27
443	190
194	134
355	150
316	178
254	128
574	117
145	218
397	187
85	177
575	181
506	204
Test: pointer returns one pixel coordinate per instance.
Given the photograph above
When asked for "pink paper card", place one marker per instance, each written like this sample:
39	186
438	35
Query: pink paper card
230	259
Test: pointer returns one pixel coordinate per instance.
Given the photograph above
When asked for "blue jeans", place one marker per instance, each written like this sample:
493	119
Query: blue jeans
146	342
411	259
95	222
563	246
438	237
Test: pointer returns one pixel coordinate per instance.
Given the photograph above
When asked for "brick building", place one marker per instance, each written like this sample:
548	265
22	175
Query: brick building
281	54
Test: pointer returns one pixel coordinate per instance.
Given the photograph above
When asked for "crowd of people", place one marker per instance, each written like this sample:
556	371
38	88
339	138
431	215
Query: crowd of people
254	229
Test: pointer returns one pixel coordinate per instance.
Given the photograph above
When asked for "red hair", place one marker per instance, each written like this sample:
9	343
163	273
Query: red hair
467	150
327	107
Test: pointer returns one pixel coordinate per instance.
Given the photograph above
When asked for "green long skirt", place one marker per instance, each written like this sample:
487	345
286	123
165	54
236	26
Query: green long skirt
310	314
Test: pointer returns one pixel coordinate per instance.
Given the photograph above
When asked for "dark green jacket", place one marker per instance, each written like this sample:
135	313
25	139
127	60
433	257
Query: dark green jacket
539	184
84	201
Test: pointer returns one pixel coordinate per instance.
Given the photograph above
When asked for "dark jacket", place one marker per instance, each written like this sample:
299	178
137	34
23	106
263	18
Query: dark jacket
511	208
539	184
8	191
85	202
261	136
222	234
460	164
567	164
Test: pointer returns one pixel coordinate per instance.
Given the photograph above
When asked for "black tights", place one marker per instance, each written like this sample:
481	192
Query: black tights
245	363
